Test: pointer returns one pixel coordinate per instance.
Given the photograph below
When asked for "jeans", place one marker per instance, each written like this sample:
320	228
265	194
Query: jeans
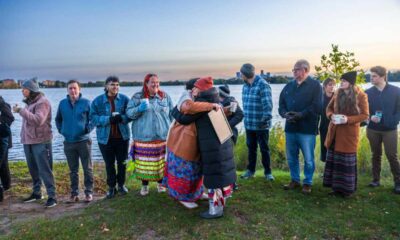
115	150
305	143
39	158
253	138
74	151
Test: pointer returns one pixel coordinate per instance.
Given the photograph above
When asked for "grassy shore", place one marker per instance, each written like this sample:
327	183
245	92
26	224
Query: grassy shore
259	210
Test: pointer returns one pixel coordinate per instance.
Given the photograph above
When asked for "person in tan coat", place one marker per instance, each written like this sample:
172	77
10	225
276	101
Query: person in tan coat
347	109
183	176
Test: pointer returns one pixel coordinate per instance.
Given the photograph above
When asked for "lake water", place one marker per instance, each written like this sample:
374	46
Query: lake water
55	95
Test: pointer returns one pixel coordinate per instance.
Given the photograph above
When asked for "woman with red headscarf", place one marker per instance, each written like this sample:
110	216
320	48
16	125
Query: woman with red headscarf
150	110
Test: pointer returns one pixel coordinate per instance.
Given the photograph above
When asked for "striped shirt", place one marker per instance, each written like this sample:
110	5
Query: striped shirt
257	104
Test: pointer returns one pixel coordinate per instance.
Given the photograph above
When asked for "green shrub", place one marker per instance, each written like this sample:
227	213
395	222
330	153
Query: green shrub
278	153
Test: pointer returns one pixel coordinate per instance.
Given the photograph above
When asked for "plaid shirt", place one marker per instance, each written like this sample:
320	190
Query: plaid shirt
257	104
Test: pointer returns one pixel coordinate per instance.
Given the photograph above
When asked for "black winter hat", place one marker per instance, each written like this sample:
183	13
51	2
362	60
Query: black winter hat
224	91
351	77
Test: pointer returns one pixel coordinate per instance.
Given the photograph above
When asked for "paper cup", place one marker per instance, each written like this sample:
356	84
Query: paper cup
146	100
338	119
233	106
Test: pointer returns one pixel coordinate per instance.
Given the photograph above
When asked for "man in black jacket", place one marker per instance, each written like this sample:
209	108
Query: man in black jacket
6	118
384	107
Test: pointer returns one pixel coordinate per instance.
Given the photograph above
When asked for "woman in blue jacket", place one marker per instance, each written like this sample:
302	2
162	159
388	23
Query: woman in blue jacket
150	111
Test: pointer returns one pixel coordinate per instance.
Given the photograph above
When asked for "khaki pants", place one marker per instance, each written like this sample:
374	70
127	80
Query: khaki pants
389	140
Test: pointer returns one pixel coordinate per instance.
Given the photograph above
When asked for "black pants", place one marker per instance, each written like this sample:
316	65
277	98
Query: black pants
145	183
5	177
322	134
253	139
115	150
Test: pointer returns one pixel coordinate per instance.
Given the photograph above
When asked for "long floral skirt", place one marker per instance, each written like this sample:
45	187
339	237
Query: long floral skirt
149	158
183	178
341	172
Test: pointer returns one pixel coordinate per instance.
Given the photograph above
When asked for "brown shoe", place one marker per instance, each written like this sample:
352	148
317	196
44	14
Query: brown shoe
306	189
292	185
88	198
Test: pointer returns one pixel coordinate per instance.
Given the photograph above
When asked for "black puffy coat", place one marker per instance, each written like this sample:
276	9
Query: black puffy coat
217	159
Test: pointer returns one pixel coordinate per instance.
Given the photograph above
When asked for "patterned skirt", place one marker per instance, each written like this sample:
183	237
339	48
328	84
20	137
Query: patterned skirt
183	178
341	172
149	158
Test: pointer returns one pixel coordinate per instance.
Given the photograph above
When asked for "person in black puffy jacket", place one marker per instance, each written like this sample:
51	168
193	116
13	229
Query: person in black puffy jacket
217	159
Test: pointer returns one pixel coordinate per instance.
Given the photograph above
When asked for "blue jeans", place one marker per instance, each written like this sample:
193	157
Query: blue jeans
305	143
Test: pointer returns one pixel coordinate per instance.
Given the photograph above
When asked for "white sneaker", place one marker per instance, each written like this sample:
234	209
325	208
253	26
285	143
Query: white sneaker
161	188
204	196
144	191
189	205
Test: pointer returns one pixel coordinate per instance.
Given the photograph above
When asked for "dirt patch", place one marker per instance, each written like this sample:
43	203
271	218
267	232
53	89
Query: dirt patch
13	210
150	234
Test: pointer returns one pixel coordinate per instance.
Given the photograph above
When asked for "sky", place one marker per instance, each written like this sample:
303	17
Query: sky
179	39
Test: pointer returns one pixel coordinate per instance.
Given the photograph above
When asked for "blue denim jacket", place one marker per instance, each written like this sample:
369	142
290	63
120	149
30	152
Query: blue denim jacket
100	113
154	123
72	121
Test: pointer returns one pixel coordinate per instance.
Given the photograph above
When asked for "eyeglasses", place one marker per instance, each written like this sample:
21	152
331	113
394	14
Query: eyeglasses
297	69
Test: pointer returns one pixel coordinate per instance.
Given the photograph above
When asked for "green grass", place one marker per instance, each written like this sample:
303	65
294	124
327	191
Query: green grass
259	210
22	182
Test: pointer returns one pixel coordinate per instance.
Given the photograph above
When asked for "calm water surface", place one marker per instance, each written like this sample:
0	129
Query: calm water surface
55	95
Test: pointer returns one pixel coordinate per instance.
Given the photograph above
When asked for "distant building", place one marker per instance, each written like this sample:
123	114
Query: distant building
48	83
237	74
8	83
266	76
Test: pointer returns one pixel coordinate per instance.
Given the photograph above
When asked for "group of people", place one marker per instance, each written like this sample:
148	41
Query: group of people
177	147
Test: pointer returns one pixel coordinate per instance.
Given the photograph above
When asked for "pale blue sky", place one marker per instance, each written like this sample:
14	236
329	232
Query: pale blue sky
89	40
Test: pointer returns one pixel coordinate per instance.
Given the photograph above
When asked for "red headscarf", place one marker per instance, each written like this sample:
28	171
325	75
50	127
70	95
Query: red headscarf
146	92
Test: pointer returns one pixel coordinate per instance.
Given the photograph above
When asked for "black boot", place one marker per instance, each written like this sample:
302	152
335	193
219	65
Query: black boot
111	193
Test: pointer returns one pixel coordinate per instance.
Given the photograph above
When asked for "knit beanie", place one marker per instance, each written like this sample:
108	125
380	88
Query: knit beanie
350	77
224	91
204	83
248	70
31	85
